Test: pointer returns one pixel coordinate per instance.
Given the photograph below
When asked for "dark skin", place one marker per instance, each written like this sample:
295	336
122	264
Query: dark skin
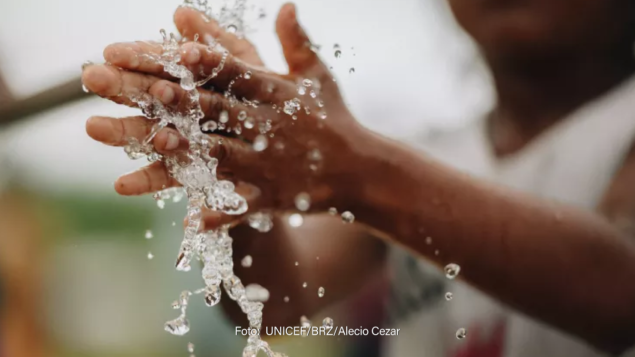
526	252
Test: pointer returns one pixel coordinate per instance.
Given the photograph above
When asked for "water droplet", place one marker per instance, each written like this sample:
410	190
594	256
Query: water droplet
321	292
461	334
209	126
305	284
352	70
86	64
161	204
301	90
261	222
260	143
448	296
231	28
322	115
338	53
315	155
242	115
256	293
179	326
247	75
452	270
149	234
296	220
286	299
428	240
150	256
305	324
173	224
307	82
224	117
190	347
247	261
292	106
436	252
85	89
297	263
348	217
327	322
249	123
303	201
332	211
212	295
176	305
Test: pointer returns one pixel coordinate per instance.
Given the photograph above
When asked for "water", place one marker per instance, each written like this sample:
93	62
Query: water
321	292
255	292
327	322
190	347
149	234
260	143
247	261
305	324
449	296
261	222
196	172
296	220
303	201
150	256
452	271
305	285
348	217
461	334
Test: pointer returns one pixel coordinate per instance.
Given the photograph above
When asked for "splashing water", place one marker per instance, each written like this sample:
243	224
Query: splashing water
461	334
452	270
348	217
196	172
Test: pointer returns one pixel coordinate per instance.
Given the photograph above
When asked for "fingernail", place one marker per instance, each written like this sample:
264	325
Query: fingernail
172	142
167	96
102	129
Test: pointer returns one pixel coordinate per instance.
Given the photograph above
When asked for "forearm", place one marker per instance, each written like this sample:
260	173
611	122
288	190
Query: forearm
564	266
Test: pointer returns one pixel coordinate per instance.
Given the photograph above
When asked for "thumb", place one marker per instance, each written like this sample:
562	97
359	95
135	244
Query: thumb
296	45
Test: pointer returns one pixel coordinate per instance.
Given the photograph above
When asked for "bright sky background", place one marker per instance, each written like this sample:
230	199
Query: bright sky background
414	69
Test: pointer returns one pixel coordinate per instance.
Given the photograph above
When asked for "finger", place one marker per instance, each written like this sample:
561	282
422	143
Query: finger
260	84
215	219
240	117
118	132
116	84
191	22
234	155
115	132
152	178
134	56
296	45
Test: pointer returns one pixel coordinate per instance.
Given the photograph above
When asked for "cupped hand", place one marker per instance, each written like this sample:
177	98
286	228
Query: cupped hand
290	134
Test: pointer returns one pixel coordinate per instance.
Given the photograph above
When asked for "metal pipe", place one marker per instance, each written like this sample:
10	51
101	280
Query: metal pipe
51	98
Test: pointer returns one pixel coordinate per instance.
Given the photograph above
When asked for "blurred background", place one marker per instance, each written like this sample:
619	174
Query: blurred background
75	278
